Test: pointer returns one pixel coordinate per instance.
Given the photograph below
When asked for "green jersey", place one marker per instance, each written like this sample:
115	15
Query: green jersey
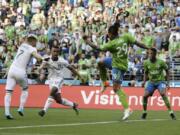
119	49
155	70
148	41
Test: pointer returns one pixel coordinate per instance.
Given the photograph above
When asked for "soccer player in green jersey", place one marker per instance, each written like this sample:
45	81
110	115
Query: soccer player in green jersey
118	46
155	79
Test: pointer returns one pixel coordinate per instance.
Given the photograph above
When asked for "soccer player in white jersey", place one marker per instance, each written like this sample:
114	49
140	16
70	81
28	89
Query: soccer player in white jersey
17	74
55	66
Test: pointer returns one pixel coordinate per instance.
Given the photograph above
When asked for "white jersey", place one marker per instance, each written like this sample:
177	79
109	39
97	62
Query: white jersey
55	68
23	56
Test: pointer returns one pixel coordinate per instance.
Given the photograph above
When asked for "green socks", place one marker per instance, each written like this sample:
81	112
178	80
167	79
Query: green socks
123	98
145	99
166	101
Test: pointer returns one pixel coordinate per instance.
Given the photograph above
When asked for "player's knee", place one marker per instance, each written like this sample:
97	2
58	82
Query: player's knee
162	94
53	91
147	94
58	98
9	92
25	88
116	87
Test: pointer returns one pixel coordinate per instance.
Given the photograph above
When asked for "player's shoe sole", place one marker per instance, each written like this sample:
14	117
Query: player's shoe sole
127	113
144	115
9	117
173	117
20	112
75	108
41	113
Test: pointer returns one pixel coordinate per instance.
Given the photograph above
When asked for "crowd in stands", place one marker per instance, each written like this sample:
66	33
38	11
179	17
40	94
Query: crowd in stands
156	23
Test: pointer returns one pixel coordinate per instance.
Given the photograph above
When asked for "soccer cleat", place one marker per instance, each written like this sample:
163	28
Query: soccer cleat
127	113
41	113
20	112
9	117
144	115
173	117
104	85
75	108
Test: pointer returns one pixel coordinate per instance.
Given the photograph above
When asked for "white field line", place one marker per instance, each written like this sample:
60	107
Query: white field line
79	124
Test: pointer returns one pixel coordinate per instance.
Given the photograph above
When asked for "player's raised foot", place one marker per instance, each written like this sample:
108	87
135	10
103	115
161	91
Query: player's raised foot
41	113
127	113
9	117
172	115
20	112
144	115
104	85
75	108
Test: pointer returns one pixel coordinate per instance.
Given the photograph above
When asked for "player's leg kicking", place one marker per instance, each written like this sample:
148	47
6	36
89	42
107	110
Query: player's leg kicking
117	77
55	94
102	66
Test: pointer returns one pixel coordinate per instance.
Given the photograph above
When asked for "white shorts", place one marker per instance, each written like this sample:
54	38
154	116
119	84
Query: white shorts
16	75
56	82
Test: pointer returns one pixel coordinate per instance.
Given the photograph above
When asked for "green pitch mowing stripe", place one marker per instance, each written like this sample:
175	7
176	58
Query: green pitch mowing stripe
89	122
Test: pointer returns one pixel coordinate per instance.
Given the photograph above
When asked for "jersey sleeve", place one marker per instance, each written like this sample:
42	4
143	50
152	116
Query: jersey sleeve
32	49
107	46
164	65
129	38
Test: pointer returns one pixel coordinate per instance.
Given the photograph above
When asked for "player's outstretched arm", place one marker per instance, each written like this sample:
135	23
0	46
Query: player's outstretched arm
43	65
87	41
141	45
75	72
37	56
145	78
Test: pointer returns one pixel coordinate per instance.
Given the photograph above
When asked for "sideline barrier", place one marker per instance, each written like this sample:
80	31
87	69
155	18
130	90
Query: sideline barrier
89	97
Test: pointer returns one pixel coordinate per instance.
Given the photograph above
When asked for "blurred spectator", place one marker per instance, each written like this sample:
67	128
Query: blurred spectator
174	46
64	22
35	6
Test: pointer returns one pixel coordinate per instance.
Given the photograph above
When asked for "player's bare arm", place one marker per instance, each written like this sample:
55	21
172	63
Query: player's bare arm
43	65
141	45
75	72
87	41
37	56
145	78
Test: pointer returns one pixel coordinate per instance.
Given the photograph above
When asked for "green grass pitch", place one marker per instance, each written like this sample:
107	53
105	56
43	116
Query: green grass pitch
89	122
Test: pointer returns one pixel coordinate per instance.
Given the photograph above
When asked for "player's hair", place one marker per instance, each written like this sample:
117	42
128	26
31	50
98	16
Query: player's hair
113	30
30	39
54	46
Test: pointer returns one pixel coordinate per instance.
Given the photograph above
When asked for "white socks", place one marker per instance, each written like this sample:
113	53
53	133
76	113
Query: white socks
7	103
67	102
23	98
48	103
50	100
